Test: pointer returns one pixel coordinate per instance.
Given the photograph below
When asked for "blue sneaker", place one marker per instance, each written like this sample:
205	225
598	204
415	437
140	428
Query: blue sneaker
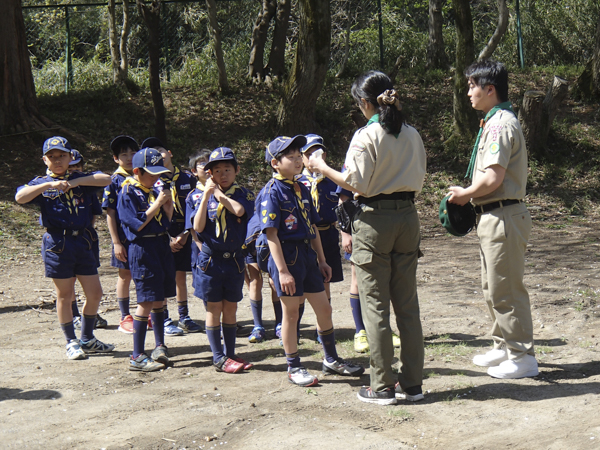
318	338
188	325
171	329
257	335
278	331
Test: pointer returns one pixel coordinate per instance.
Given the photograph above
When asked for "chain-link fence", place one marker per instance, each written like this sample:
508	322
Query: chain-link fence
69	43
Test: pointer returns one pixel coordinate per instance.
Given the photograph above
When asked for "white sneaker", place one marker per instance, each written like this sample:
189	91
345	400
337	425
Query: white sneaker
525	366
491	358
74	350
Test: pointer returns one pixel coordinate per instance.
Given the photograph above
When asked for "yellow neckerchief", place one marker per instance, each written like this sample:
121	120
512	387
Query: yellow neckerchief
121	171
171	182
68	194
221	220
200	186
151	198
314	191
298	198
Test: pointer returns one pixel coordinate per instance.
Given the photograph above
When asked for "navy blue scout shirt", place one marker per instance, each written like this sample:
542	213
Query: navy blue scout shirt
64	210
235	226
328	197
184	183
132	206
279	208
111	196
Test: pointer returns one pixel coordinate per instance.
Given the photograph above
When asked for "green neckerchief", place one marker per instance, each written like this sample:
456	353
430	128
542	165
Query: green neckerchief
505	106
374	119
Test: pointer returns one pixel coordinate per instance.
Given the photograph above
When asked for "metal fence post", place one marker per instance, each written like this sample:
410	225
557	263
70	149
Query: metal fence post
381	62
68	61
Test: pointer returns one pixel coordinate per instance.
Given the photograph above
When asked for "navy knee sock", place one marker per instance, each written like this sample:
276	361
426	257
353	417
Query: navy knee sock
87	327
140	324
124	306
229	335
356	312
158	326
68	330
300	314
328	342
182	309
74	308
278	312
293	359
214	339
256	306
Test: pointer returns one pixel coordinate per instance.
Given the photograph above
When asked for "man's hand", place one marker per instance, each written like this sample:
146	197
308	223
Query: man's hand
458	195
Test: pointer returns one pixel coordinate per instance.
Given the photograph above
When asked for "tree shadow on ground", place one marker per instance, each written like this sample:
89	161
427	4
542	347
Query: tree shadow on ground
20	394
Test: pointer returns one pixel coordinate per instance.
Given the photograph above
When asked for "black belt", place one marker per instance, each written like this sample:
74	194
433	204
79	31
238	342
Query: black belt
296	241
392	196
480	209
154	235
217	254
65	232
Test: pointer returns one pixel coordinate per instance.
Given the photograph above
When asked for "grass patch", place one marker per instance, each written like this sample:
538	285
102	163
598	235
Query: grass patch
400	413
447	350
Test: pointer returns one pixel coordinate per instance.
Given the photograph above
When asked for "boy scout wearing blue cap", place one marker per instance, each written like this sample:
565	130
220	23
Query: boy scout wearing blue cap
123	148
220	218
325	199
67	250
95	208
297	264
146	216
178	184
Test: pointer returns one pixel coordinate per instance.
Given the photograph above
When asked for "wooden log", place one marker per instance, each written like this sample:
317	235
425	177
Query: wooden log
555	96
530	116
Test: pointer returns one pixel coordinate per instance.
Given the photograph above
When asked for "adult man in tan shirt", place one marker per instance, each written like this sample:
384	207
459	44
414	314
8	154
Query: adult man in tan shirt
499	177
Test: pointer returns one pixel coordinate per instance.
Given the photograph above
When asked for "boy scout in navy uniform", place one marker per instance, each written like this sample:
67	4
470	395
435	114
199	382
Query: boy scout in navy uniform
220	218
67	252
499	175
178	184
297	263
146	217
123	148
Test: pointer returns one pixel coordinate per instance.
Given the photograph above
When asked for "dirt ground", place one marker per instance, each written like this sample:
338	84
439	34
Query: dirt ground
49	402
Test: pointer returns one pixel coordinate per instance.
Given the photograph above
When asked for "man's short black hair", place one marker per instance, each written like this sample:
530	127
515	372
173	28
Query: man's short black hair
490	73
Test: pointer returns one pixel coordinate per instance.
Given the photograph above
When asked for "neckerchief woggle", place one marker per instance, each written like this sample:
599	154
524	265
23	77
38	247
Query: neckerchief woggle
68	194
502	106
298	193
151	198
221	220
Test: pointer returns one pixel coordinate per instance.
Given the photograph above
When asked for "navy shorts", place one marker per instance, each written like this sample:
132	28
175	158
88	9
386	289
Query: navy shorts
250	253
68	256
217	278
114	262
95	243
302	263
183	258
152	269
330	240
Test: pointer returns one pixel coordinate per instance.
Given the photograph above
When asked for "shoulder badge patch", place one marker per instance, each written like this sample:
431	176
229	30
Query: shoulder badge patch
494	148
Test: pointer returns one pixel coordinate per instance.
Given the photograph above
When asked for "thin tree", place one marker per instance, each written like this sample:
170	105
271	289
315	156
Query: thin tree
19	111
214	29
465	118
436	54
259	39
118	44
588	83
151	15
276	66
296	113
486	53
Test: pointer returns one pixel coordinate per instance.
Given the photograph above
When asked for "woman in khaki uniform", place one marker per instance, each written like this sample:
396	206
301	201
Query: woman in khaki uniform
385	168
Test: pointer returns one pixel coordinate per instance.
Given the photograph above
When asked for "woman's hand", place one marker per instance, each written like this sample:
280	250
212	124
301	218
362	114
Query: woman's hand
317	164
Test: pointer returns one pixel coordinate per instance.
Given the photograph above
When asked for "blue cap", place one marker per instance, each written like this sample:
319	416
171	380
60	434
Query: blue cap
220	154
279	144
58	143
150	160
77	158
312	140
152	142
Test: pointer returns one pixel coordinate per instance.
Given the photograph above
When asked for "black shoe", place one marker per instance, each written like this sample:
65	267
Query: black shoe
385	397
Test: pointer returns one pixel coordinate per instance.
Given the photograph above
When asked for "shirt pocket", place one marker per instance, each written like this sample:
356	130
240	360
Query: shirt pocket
203	261
290	254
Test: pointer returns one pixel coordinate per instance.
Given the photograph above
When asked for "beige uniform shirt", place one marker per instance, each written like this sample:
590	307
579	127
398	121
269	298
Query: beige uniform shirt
502	143
380	163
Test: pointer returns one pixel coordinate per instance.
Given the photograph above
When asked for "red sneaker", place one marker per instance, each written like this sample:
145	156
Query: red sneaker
246	365
126	325
228	365
149	323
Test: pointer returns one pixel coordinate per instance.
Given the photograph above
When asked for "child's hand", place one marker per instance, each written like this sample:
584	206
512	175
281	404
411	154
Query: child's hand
325	271
163	198
288	284
347	242
209	187
61	185
120	252
175	244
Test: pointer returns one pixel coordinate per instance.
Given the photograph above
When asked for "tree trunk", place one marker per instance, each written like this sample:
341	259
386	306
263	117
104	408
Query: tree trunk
124	66
19	110
151	15
342	68
276	65
259	39
211	6
588	83
118	47
538	113
436	56
486	53
465	117
296	113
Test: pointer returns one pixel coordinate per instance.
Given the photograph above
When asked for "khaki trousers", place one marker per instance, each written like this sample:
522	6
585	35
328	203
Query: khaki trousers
503	235
385	245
